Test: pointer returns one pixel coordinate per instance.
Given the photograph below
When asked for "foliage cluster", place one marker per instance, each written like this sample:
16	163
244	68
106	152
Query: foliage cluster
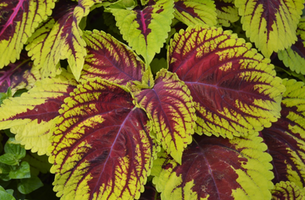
152	99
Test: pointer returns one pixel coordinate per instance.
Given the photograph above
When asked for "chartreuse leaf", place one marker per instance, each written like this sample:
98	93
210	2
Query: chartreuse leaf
294	56
192	12
18	20
286	137
271	25
18	75
235	90
227	12
101	146
216	168
146	29
31	115
171	109
110	59
61	38
5	195
288	191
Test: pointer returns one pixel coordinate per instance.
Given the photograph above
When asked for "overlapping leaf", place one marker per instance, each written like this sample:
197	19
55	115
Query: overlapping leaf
101	146
287	191
18	20
216	168
31	116
294	56
192	12
286	137
61	38
226	12
170	107
19	75
271	25
110	59
146	29
236	91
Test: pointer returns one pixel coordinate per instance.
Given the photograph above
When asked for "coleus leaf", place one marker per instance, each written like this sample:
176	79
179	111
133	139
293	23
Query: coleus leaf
110	59
101	146
235	90
271	25
227	12
171	109
19	75
146	29
216	168
18	20
192	12
294	56
286	137
288	191
32	115
60	37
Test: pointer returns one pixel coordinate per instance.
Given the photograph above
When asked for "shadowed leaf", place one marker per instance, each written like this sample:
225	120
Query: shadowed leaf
235	91
226	11
101	146
216	168
271	25
286	137
287	191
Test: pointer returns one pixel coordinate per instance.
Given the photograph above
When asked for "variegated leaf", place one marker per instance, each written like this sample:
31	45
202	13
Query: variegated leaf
146	29
110	59
271	25
18	20
287	191
192	12
294	56
171	109
19	75
61	38
286	137
32	115
227	12
216	168
236	91
101	146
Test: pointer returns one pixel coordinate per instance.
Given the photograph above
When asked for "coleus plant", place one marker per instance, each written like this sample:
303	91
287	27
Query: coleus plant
212	118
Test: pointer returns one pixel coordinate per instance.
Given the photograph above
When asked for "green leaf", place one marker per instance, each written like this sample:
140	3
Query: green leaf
9	159
193	12
18	20
146	29
216	168
271	25
31	116
21	172
28	185
11	147
5	195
